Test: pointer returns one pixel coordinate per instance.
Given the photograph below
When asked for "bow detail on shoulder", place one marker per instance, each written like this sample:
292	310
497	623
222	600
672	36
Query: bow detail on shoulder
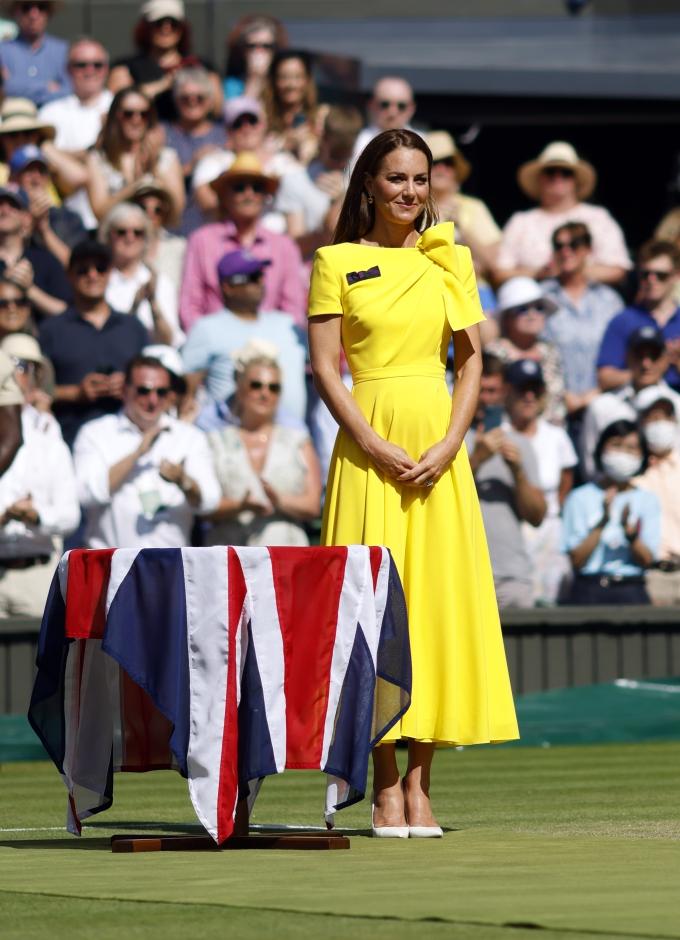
461	299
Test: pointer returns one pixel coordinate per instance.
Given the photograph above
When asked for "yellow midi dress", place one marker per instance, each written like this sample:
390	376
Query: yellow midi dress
399	307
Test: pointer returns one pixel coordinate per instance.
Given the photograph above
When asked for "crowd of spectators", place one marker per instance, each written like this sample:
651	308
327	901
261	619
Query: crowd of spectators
157	224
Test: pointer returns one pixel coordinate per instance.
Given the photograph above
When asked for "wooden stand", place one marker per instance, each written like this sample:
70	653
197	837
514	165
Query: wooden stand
204	843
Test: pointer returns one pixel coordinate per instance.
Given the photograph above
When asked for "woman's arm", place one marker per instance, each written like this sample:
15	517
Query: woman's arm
324	350
566	484
580	555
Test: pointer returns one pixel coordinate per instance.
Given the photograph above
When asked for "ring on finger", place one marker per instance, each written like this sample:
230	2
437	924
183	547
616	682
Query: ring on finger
429	483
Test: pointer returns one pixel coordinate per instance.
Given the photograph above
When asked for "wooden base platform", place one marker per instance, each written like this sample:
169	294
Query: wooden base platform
204	843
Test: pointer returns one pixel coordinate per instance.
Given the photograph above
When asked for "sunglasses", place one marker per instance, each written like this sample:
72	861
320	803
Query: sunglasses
84	267
535	307
166	21
122	232
157	210
6	304
192	98
43	7
128	113
25	366
237	280
243	185
644	274
553	171
98	65
269	46
243	119
256	386
143	391
572	244
399	105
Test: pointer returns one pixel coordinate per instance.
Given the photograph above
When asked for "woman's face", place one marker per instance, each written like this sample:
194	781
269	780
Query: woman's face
626	444
259	47
166	33
247	133
290	83
193	101
128	239
133	117
259	391
156	210
15	309
525	322
401	186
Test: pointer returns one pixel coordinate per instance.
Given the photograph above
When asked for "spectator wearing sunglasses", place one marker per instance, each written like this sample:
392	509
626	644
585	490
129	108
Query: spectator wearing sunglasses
164	250
243	192
390	107
522	312
90	344
209	351
269	473
34	63
142	474
559	181
251	45
655	304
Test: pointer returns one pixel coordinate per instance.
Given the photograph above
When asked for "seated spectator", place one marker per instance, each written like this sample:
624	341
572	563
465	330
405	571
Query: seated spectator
584	308
164	251
193	134
33	269
34	375
658	271
90	344
34	63
647	361
162	38
15	310
11	401
390	108
522	309
213	340
269	473
130	147
247	131
555	459
508	485
242	192
133	287
290	99
560	181
181	401
251	45
38	500
475	226
612	529
658	420
142	475
55	228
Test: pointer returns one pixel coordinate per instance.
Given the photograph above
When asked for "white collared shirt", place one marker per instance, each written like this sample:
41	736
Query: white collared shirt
146	511
42	470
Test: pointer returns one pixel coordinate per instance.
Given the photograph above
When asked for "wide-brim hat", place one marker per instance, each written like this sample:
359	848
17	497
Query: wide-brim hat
153	187
22	346
246	165
20	114
562	154
443	147
154	10
519	291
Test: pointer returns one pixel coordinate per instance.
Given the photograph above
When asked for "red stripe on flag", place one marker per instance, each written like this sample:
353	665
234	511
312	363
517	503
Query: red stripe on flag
308	583
86	587
376	555
228	786
145	730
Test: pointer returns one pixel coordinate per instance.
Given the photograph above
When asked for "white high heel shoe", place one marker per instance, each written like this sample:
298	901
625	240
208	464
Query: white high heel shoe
387	832
425	832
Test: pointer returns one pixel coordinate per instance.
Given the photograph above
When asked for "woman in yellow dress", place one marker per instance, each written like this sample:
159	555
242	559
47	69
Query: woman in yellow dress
391	291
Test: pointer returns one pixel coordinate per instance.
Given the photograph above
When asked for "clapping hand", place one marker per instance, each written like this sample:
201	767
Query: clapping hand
20	273
631	527
252	504
22	510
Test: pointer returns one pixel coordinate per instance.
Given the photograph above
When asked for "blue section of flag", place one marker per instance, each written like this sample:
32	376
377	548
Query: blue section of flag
349	751
256	754
155	655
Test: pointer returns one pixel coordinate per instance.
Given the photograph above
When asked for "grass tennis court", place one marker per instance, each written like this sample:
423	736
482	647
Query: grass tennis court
579	841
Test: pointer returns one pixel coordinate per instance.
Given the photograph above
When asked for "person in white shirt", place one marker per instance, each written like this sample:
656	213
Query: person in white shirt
390	108
142	475
38	498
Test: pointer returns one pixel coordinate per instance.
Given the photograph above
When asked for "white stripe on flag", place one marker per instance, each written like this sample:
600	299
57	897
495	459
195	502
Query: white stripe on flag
121	562
372	625
267	640
62	568
207	599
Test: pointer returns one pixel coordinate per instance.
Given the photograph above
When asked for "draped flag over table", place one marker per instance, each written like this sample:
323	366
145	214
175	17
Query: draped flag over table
228	664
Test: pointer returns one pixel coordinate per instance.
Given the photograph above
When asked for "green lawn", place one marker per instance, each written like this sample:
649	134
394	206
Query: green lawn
575	840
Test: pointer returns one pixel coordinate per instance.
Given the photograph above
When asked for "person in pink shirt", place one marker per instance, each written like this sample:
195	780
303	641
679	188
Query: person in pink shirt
242	191
560	181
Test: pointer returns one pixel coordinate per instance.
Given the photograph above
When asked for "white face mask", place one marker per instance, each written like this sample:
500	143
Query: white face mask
661	435
620	466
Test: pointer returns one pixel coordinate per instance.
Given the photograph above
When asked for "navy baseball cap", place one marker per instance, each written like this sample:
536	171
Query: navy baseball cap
15	194
239	264
648	335
24	156
525	373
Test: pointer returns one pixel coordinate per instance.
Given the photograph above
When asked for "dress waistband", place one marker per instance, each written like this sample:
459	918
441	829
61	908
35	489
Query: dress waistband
399	372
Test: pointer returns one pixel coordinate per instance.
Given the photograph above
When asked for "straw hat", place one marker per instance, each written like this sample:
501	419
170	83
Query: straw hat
443	147
558	153
20	114
246	165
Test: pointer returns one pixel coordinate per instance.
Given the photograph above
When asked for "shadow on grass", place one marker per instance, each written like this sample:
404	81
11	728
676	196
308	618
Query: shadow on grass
73	844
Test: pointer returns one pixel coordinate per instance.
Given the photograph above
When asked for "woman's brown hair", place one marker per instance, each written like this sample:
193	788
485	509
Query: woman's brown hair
357	216
111	139
270	97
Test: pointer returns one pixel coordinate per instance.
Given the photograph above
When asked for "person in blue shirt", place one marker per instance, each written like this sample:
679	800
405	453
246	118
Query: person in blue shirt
658	272
34	64
611	529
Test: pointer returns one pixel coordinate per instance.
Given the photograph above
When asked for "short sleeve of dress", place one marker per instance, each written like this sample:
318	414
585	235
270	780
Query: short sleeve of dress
325	290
